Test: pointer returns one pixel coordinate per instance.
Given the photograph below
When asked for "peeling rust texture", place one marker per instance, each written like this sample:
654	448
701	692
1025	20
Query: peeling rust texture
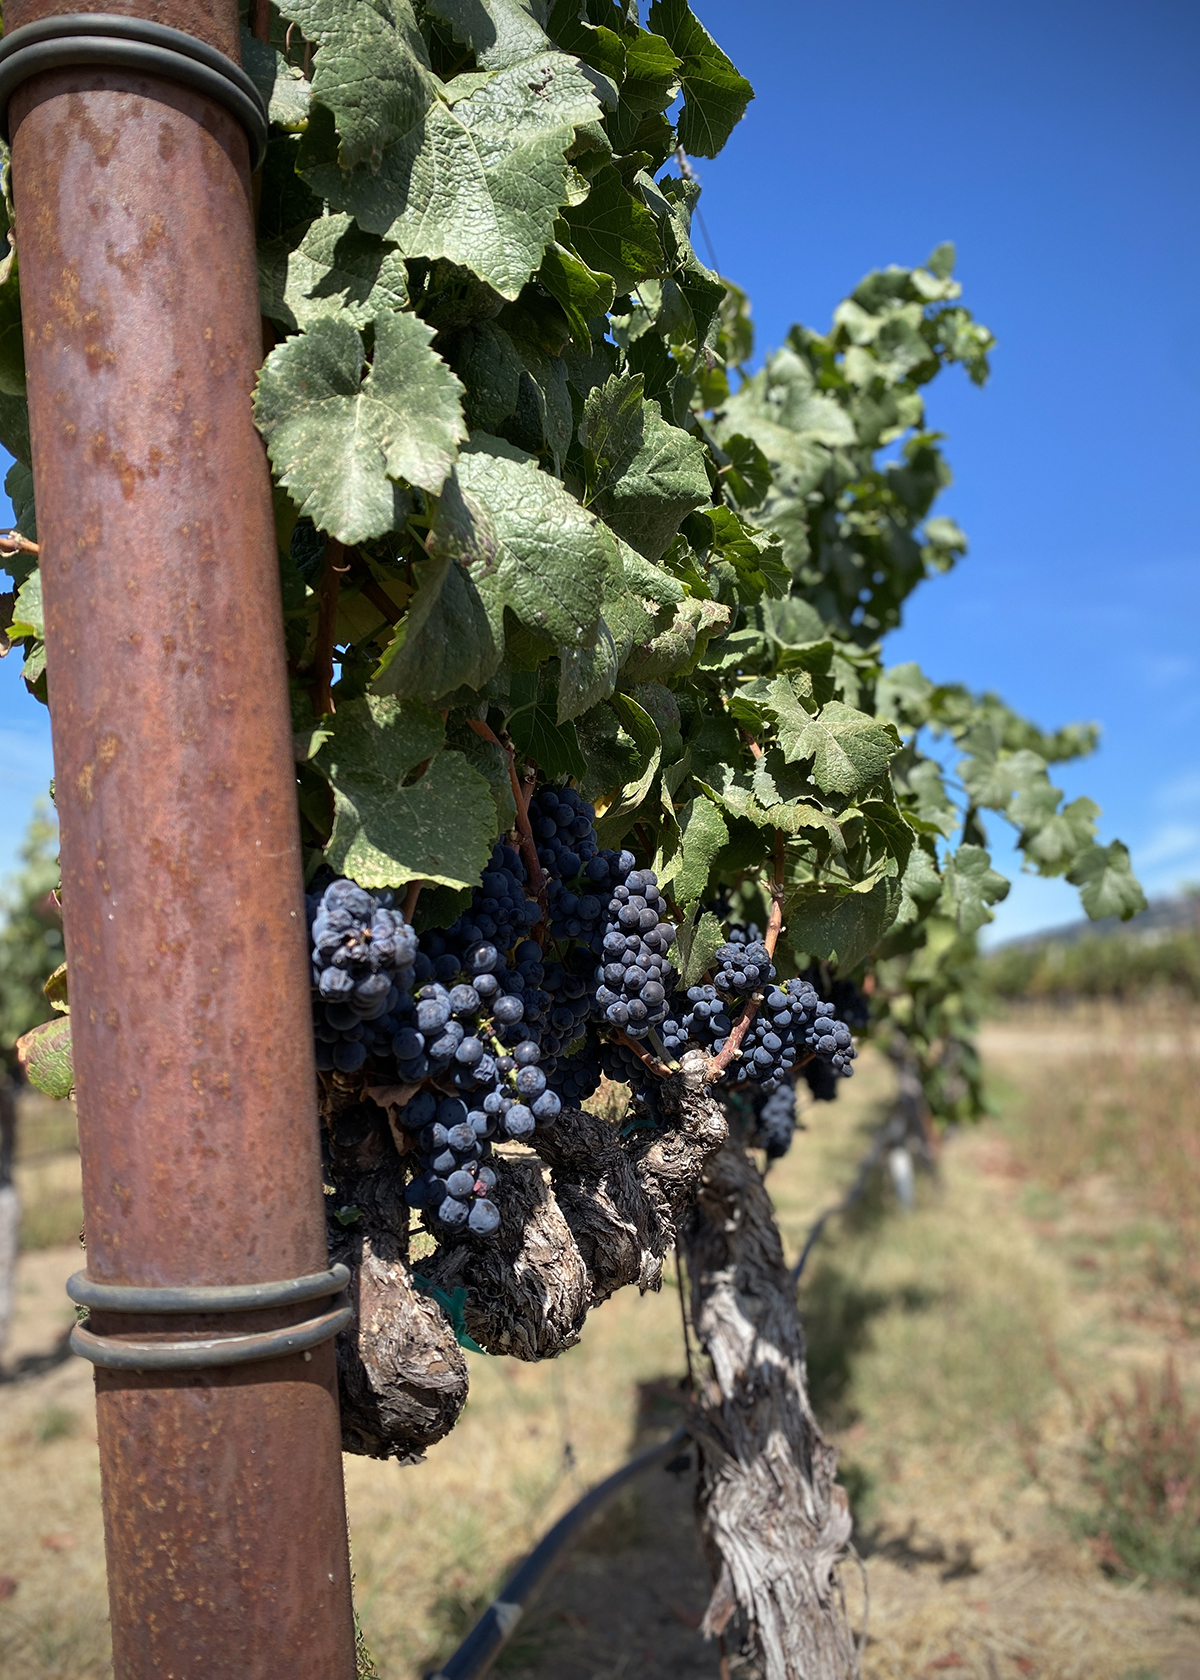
180	852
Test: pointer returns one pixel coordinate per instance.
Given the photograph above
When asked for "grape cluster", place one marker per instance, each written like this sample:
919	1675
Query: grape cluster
633	980
363	953
493	1031
745	963
455	1183
775	1121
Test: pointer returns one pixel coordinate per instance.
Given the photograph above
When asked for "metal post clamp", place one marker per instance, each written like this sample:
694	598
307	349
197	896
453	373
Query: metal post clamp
201	1353
135	44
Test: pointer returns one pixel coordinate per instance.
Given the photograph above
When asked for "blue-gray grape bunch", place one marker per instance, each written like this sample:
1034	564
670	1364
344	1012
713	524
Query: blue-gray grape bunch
496	1022
363	953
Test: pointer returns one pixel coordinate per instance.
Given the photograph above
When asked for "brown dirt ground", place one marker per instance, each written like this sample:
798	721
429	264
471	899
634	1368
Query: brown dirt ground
953	1351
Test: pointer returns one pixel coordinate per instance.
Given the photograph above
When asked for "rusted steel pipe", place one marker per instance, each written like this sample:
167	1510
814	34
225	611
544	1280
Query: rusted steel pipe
224	1513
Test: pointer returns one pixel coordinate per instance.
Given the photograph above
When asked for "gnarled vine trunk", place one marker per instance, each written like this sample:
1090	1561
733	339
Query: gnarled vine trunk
593	1213
774	1521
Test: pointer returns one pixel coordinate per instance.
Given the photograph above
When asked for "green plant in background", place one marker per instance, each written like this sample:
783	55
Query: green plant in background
31	946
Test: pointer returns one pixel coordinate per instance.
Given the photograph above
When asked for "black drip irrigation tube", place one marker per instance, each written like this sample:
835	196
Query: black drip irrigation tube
498	1623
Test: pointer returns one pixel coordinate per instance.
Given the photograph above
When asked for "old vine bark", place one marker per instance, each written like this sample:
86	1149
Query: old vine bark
589	1215
774	1521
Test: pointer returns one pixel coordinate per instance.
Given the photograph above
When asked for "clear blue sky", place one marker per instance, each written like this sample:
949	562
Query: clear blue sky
1058	145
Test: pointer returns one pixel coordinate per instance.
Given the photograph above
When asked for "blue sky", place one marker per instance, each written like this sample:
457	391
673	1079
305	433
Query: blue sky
1058	145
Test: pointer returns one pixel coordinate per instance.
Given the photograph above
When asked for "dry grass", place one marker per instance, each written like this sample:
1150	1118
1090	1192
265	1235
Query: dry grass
47	1172
965	1356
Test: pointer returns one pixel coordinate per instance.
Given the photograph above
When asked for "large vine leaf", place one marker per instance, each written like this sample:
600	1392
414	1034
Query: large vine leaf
1106	882
703	832
478	180
697	941
45	1056
389	830
372	71
536	731
339	441
715	96
524	542
644	475
970	886
850	751
842	926
622	810
444	641
614	233
500	33
336	269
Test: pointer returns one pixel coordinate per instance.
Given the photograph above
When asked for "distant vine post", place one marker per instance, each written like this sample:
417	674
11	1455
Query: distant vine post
224	1516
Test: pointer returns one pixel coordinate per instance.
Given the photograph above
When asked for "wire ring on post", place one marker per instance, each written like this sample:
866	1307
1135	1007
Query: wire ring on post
202	1353
135	44
202	1298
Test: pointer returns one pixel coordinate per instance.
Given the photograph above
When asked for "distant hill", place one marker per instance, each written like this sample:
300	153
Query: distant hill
1156	952
1161	918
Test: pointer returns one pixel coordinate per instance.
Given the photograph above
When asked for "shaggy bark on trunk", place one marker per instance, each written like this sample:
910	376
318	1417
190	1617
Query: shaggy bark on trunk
774	1521
594	1213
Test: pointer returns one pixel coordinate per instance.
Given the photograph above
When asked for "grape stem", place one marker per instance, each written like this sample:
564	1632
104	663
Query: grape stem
410	899
716	1065
12	542
652	1062
528	846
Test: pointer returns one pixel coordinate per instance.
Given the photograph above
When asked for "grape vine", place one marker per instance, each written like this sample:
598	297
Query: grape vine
601	769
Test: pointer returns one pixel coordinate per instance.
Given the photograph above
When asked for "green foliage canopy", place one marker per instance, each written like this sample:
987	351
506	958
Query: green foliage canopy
512	402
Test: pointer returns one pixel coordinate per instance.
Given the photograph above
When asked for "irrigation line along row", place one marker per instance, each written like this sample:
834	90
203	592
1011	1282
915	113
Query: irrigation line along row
499	1621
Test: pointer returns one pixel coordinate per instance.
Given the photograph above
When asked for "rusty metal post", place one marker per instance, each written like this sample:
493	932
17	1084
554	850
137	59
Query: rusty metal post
223	1500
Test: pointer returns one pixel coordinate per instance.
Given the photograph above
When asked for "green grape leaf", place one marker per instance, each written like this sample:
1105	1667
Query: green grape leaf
934	812
970	885
622	811
44	1054
500	33
715	96
697	940
371	72
535	730
479	181
747	474
635	593
27	616
338	441
756	556
993	779
703	832
614	233
12	349
1107	884
582	292
444	641
286	92
336	269
842	926
388	828
524	542
644	475
793	623
850	751
651	73
1056	840
681	645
